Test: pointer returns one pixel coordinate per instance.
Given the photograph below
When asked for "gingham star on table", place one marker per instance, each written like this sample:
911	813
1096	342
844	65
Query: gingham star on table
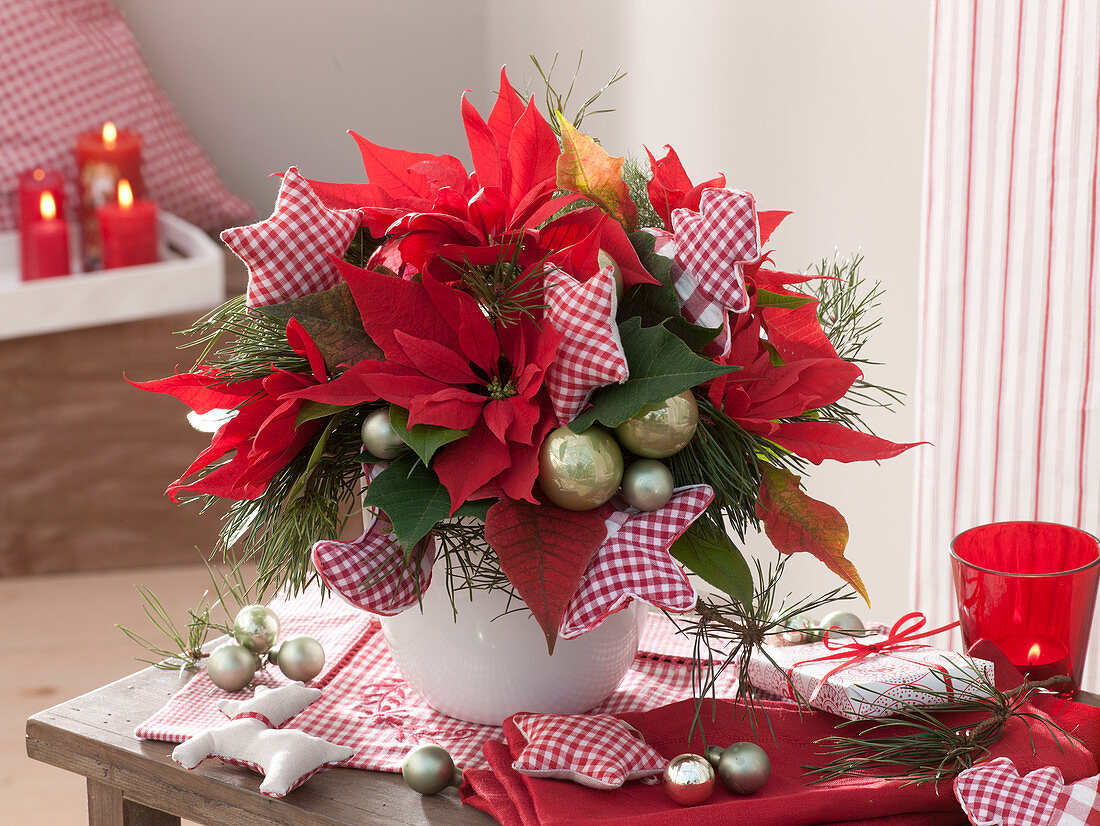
590	354
994	792
370	573
634	563
713	244
288	255
595	750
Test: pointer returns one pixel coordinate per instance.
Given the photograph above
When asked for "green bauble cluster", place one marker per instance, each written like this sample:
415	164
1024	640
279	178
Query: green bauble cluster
233	665
581	471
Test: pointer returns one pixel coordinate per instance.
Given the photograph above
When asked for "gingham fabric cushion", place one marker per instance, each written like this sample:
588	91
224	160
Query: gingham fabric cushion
1078	804
70	65
368	706
590	354
289	254
994	793
634	563
695	305
714	242
595	750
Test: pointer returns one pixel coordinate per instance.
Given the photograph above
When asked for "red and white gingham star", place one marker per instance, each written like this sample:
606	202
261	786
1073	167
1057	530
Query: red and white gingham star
713	244
1078	804
370	573
634	563
288	254
695	305
590	354
994	792
595	750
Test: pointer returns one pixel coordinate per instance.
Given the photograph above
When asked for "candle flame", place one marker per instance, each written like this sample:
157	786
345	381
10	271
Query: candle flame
1033	654
40	174
47	206
110	135
125	194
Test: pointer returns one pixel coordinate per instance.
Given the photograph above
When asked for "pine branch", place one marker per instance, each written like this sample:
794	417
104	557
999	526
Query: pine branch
637	178
557	101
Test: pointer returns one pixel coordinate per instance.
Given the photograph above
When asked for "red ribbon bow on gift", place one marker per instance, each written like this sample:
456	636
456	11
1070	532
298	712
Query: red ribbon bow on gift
902	637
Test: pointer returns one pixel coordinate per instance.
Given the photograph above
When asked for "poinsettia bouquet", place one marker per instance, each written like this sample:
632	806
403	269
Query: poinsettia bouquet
590	364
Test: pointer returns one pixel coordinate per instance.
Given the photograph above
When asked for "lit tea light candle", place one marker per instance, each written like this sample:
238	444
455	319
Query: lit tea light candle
103	158
129	230
45	243
1037	657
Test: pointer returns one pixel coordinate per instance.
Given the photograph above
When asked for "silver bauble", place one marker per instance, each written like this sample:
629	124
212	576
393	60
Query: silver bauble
273	654
379	437
842	620
300	658
429	770
647	485
714	754
689	779
231	666
605	260
580	471
256	628
661	429
798	631
744	768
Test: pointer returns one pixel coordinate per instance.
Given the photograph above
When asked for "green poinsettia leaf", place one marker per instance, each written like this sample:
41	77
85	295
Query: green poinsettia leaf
424	439
333	322
311	410
477	509
766	298
712	556
661	365
412	498
658	303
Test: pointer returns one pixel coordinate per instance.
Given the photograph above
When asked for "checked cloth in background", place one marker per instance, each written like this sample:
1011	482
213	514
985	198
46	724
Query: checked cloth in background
368	706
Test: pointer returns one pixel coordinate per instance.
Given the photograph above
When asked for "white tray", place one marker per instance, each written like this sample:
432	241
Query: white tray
190	277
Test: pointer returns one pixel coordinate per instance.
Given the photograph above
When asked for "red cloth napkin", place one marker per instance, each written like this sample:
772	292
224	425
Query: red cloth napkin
517	800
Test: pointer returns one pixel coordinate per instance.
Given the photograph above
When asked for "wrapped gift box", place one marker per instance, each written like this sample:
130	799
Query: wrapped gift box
875	686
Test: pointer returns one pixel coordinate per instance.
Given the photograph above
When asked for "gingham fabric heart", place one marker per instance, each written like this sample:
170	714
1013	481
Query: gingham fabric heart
634	563
289	254
713	243
993	793
590	354
595	750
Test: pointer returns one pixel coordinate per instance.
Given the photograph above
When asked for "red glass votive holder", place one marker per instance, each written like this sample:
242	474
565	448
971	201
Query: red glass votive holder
1030	588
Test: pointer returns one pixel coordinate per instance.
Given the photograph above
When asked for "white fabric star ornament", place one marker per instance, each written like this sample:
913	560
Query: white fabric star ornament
634	563
288	255
590	354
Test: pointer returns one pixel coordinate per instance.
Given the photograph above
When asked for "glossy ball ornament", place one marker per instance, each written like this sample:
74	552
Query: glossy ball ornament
580	471
843	620
799	632
379	437
689	779
744	768
647	485
231	666
429	770
605	260
256	628
661	429
300	658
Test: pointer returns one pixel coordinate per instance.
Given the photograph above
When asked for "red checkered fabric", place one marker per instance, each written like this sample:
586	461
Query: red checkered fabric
590	354
713	243
370	573
70	65
595	750
368	706
634	563
1078	804
994	792
288	255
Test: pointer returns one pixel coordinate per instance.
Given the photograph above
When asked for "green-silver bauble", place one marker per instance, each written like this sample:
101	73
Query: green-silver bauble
841	621
231	666
744	768
797	630
580	471
661	429
256	628
647	485
429	770
605	260
689	779
379	437
300	658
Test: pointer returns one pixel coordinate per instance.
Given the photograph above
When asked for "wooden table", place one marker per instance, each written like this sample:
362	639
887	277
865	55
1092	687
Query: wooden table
134	782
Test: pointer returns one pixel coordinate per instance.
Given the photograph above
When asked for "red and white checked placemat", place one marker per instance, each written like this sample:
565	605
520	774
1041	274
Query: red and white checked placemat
368	706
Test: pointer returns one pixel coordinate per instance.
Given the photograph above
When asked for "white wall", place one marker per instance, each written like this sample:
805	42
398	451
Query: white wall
815	107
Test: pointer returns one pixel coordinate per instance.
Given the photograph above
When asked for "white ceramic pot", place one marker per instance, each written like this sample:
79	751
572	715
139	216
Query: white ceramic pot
482	667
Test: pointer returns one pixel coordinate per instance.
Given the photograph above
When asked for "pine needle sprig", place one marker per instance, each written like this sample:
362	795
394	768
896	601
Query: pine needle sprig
505	289
926	743
557	101
636	176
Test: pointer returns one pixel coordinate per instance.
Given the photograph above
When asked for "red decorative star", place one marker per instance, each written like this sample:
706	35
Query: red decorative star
290	254
714	243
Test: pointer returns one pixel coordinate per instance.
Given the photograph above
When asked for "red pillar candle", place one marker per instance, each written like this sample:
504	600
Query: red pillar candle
104	158
129	230
46	243
32	184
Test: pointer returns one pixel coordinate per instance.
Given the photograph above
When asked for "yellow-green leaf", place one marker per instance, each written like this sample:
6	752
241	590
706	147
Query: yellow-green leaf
584	167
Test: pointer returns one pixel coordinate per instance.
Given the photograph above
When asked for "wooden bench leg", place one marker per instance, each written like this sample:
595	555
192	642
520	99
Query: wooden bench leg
107	807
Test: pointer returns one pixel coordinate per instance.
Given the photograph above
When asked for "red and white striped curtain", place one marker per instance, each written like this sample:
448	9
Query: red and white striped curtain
1008	383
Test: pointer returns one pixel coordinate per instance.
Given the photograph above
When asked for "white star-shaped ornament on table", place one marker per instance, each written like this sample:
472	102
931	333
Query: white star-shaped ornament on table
290	254
590	354
634	563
